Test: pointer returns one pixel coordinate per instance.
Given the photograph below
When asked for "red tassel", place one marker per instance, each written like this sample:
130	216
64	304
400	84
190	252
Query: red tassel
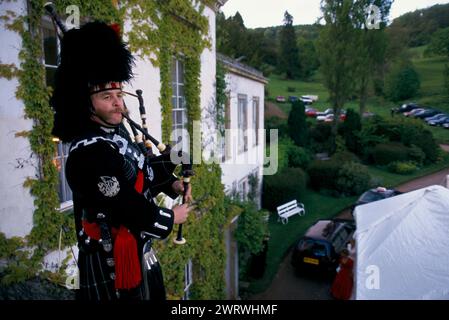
127	265
138	186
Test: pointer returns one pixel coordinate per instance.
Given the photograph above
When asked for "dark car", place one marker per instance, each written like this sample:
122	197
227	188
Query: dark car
293	98
427	113
406	107
375	194
318	250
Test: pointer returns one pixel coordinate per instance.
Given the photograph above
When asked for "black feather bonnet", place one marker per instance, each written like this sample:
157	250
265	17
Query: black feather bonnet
90	56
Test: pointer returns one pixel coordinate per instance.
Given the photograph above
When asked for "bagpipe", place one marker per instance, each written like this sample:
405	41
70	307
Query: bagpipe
160	163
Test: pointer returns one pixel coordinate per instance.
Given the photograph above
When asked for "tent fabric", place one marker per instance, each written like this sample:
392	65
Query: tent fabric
403	247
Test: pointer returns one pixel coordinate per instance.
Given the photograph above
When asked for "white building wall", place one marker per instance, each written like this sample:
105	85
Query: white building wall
207	98
16	160
241	165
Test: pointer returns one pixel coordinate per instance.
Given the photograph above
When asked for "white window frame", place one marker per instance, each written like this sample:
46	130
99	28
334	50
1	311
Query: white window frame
255	120
188	279
242	122
64	192
243	189
178	99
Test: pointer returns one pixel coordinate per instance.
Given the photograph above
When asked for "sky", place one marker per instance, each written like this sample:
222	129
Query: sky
267	13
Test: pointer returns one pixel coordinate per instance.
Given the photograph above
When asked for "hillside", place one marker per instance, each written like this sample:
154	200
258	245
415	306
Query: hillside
419	26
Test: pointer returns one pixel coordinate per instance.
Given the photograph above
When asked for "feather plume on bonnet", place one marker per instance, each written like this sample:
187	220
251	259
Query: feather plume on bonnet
91	56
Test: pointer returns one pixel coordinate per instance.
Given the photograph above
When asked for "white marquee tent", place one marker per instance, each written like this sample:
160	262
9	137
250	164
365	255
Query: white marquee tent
403	247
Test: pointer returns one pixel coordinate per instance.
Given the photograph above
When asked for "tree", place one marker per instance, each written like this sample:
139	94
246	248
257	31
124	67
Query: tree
350	130
289	54
308	58
297	126
402	83
337	52
371	44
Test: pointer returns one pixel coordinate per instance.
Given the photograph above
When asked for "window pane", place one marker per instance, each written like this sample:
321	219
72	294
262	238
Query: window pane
179	116
180	72
50	46
181	90
181	103
50	76
173	71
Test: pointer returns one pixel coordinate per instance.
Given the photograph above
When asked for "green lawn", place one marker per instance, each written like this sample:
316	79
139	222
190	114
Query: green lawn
432	92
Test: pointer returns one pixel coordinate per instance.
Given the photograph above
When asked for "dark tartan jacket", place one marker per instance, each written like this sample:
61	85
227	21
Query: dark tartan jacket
111	178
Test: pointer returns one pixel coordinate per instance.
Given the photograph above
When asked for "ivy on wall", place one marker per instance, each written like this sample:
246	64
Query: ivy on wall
161	31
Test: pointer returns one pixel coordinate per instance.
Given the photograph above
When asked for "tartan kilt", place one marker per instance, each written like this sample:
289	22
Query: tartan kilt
96	277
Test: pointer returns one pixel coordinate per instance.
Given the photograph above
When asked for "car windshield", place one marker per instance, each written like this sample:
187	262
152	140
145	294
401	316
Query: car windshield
370	196
314	247
340	238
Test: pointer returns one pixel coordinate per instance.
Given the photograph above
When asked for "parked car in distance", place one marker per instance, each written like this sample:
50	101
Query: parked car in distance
280	99
375	194
406	107
446	125
311	112
440	121
435	117
412	113
306	101
325	112
426	113
293	98
310	97
318	250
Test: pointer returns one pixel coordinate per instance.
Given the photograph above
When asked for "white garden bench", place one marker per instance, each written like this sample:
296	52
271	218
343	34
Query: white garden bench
290	208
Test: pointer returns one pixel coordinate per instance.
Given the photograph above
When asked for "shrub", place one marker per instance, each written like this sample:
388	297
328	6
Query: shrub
291	89
287	185
323	174
399	167
384	153
283	152
428	145
321	139
298	157
416	155
353	179
250	233
345	156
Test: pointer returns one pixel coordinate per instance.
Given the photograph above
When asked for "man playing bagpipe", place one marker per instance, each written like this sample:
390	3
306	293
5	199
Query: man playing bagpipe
113	182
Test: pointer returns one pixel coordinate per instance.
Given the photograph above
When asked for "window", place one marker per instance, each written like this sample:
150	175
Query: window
50	60
178	100
243	189
50	51
226	147
256	120
188	279
242	122
64	191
